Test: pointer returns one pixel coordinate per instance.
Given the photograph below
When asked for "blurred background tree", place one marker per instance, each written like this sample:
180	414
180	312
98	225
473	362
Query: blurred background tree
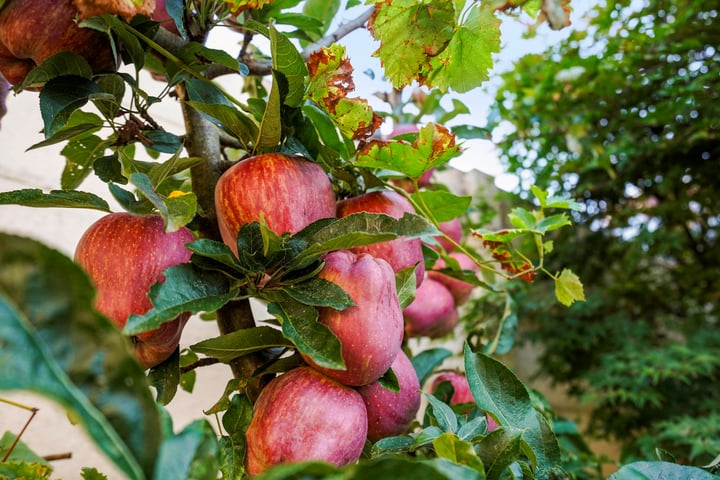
624	116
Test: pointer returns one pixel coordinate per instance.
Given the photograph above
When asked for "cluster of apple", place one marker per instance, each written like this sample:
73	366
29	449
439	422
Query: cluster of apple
31	31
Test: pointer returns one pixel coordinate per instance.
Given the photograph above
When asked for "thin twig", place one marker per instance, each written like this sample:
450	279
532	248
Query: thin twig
58	456
203	362
342	30
33	411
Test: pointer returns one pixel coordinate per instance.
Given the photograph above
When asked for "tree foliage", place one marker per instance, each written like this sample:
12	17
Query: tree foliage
622	116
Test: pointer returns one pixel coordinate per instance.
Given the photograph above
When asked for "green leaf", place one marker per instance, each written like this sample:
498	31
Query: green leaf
445	416
80	124
427	361
322	10
60	97
569	288
359	229
88	473
271	125
660	470
33	197
444	205
21	452
290	63
458	451
58	65
191	454
389	381
521	218
312	338
500	393
165	378
50	334
186	289
466	61
229	119
241	342
80	153
319	292
435	146
177	211
498	450
114	88
410	33
399	444
23	470
405	284
235	421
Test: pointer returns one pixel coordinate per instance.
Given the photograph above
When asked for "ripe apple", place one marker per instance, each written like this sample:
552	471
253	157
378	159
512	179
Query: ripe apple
161	15
432	313
460	289
288	192
125	255
33	30
371	332
400	253
461	392
391	413
303	415
453	229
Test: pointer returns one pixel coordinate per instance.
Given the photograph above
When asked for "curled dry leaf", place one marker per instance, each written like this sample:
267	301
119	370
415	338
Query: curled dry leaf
125	8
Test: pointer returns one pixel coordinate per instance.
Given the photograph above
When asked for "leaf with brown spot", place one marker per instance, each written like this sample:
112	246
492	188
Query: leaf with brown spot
435	145
330	83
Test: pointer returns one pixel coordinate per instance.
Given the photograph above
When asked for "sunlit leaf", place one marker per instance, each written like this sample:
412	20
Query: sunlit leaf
569	288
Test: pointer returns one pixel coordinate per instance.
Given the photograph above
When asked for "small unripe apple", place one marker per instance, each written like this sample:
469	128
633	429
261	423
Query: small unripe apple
124	255
33	30
400	253
371	332
460	289
391	413
303	415
432	313
461	392
288	192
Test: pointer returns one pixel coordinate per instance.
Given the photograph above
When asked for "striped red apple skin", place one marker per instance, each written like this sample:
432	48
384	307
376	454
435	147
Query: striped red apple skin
303	415
31	31
400	253
371	332
288	192
124	255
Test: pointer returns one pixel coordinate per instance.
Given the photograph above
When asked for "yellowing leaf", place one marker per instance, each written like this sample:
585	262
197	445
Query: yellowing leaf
410	33
466	61
435	145
568	288
237	6
330	82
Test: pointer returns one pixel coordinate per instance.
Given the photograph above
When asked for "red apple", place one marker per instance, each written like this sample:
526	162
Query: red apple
461	392
453	229
303	415
161	15
371	332
460	289
391	413
433	313
399	253
126	9
33	30
288	192
125	255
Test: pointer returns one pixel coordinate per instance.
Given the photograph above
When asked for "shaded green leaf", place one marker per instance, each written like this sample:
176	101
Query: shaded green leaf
663	470
241	342
165	378
60	97
445	416
34	197
186	289
312	338
498	450
444	205
50	333
319	292
191	454
58	65
427	361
